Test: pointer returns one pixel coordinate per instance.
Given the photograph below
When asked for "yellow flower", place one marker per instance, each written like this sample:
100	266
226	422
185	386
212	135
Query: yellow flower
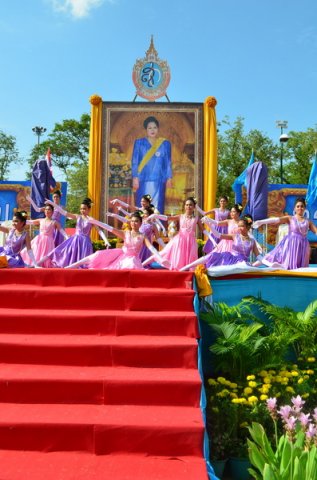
290	389
311	359
306	377
233	385
247	390
278	379
233	395
211	381
252	384
310	372
222	380
252	399
300	380
263	397
294	373
263	373
251	377
267	380
223	393
305	395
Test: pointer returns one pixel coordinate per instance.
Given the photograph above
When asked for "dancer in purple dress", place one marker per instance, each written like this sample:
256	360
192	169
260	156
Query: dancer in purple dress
17	239
242	247
127	257
293	250
58	234
221	213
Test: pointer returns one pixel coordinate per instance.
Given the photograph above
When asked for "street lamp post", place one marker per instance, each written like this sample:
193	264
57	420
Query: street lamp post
39	131
283	139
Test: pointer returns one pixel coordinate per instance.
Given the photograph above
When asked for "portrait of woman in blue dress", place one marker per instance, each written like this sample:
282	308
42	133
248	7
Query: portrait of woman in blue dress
152	165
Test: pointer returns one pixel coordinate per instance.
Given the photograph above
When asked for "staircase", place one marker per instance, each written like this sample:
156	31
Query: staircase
99	376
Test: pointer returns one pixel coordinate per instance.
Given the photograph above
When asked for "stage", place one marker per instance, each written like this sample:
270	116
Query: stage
101	370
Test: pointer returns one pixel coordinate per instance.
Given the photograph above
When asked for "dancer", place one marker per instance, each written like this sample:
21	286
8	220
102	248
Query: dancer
225	245
293	250
58	234
182	249
145	203
221	213
43	243
18	238
242	247
77	246
127	257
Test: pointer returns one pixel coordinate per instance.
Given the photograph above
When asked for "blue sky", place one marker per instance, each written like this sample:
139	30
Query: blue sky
257	57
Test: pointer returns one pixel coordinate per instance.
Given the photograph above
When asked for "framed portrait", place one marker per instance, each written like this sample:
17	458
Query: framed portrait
152	148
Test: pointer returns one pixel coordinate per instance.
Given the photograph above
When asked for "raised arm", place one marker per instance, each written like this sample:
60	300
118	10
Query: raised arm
61	210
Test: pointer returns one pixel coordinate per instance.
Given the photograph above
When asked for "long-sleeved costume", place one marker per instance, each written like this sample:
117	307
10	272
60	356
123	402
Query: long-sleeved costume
152	165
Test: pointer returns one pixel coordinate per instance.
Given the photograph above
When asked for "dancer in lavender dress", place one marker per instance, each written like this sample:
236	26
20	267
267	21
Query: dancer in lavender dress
293	250
127	257
77	246
242	247
17	239
221	213
150	231
58	235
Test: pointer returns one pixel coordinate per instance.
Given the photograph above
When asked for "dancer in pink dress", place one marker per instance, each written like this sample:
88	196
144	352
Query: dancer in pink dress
182	249
127	257
221	213
225	245
293	250
43	243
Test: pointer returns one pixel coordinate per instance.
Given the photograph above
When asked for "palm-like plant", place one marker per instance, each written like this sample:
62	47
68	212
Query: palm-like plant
300	328
238	348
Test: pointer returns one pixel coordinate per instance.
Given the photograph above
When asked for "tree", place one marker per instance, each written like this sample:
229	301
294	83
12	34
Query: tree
69	144
8	154
234	151
299	151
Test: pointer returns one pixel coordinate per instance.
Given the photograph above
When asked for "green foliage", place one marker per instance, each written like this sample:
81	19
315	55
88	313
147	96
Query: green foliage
99	244
290	461
300	328
299	150
234	151
69	144
8	154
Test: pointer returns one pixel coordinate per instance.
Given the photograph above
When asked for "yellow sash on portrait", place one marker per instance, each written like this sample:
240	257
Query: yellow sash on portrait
149	154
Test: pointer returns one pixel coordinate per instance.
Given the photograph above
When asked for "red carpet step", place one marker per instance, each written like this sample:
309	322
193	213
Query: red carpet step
99	374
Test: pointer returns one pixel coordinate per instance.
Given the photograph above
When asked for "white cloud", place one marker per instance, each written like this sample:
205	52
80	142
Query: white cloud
76	8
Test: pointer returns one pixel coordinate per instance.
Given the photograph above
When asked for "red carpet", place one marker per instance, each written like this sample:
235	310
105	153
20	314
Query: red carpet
99	376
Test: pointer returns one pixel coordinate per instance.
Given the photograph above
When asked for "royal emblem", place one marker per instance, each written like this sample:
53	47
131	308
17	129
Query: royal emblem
151	76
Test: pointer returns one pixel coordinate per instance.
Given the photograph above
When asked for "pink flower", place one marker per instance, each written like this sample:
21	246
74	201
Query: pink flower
311	431
285	412
304	419
298	402
271	404
290	423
